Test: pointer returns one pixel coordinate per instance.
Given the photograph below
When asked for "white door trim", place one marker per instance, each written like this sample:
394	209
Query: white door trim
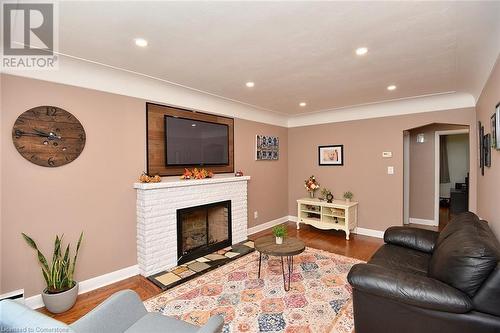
437	163
406	177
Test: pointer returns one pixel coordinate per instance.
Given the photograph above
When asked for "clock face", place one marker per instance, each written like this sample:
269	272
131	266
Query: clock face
48	136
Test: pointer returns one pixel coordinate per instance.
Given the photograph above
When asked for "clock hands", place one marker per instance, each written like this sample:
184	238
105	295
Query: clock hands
50	135
39	133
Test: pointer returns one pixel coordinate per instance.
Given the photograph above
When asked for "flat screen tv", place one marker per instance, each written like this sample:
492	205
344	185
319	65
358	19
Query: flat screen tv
191	142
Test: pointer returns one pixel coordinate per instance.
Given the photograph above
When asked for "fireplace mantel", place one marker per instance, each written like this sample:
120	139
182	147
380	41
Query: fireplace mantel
176	182
157	205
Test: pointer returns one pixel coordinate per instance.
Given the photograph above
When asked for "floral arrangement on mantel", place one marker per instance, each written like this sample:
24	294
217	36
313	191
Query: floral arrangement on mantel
311	185
145	178
196	174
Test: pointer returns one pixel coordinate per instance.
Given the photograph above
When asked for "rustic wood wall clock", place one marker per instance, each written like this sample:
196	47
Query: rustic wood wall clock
48	136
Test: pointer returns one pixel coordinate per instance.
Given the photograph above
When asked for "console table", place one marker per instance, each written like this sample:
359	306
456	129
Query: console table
337	215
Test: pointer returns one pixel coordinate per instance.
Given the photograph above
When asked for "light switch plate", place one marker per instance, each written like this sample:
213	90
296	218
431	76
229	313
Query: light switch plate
390	170
387	154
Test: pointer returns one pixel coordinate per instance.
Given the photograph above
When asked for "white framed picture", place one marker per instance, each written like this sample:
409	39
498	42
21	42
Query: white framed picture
331	155
267	148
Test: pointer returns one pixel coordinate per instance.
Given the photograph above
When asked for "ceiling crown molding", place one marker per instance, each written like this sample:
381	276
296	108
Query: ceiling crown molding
86	74
429	103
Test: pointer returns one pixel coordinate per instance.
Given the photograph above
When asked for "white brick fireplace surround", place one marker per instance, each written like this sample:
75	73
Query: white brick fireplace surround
157	205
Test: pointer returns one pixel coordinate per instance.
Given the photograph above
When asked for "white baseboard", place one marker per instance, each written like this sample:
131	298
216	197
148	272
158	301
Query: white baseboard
369	232
36	301
267	225
292	218
423	222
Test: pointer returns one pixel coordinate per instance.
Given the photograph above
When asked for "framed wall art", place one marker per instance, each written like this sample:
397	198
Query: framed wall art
495	128
332	155
267	148
487	150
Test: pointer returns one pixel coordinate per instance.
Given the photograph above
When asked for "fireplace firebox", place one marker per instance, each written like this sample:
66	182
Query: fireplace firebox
202	230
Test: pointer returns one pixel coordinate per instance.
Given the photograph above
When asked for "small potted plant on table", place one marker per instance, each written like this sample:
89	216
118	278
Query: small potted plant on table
280	232
61	291
348	196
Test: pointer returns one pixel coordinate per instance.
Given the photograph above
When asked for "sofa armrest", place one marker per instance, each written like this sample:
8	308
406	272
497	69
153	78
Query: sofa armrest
116	314
213	325
411	289
413	238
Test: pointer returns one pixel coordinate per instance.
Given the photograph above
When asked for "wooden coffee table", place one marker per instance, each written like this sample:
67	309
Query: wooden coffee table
290	248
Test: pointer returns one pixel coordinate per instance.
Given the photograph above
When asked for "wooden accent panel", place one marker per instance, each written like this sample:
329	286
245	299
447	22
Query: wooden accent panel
155	123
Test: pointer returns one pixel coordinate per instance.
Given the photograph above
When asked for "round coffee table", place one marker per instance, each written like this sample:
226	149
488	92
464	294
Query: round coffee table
290	247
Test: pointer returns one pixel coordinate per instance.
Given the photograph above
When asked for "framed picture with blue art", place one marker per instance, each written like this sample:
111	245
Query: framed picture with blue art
267	148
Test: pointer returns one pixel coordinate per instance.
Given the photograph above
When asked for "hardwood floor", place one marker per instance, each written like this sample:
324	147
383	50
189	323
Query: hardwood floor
360	247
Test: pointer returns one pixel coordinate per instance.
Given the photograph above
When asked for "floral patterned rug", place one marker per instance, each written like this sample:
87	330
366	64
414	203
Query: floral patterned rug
319	299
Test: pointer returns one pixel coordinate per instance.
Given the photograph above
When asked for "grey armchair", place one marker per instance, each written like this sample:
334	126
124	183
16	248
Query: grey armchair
122	312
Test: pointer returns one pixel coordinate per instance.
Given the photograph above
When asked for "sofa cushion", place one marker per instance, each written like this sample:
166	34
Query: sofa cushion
401	258
465	255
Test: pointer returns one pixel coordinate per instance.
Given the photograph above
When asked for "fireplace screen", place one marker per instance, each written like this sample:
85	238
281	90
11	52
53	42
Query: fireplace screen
202	230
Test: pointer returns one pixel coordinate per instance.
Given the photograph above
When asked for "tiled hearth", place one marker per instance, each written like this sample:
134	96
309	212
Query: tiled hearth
157	205
182	273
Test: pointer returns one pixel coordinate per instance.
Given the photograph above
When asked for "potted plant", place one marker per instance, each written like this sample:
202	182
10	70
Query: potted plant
348	196
311	185
280	231
61	291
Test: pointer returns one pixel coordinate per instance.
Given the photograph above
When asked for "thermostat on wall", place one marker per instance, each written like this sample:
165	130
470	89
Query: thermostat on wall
387	154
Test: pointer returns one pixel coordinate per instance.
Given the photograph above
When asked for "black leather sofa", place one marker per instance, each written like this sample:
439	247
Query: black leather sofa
425	281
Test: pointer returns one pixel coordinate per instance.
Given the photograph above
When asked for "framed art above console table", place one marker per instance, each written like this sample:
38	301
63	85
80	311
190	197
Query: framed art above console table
179	138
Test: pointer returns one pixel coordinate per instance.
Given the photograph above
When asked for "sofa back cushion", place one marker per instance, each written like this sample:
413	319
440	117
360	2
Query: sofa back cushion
466	254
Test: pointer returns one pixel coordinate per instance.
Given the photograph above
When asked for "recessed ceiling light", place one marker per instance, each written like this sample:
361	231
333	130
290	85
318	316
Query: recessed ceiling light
250	84
361	51
391	87
193	125
302	104
141	42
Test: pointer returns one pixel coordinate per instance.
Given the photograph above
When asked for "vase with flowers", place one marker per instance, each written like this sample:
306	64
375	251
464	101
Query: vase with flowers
311	185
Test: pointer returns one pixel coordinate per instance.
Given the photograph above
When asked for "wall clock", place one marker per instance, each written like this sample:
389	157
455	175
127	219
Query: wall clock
48	136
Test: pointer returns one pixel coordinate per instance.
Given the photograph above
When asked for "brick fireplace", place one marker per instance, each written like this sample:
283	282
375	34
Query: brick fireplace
157	211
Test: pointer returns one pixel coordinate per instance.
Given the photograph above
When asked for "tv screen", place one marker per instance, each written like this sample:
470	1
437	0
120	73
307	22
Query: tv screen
193	142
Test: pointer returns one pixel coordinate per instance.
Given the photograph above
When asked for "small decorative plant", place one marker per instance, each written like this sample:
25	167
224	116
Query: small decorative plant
348	196
311	185
58	274
280	232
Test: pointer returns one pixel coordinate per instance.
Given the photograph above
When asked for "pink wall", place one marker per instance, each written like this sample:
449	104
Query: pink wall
488	195
94	193
269	184
364	173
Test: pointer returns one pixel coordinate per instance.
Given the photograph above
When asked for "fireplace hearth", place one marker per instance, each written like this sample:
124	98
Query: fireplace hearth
201	230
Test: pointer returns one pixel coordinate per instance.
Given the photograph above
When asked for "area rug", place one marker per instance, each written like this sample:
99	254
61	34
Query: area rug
319	299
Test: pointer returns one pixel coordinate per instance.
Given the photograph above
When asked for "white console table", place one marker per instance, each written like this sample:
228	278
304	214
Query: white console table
337	215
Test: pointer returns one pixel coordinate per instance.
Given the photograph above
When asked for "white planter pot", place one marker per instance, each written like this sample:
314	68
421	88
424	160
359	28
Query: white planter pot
347	200
57	303
279	240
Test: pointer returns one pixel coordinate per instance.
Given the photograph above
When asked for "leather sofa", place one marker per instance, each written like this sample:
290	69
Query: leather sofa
425	281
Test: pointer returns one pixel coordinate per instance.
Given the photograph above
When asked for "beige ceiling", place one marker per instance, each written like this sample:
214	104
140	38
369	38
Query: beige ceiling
293	51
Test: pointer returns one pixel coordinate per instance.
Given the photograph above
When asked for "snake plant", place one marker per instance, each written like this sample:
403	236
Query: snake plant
58	274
